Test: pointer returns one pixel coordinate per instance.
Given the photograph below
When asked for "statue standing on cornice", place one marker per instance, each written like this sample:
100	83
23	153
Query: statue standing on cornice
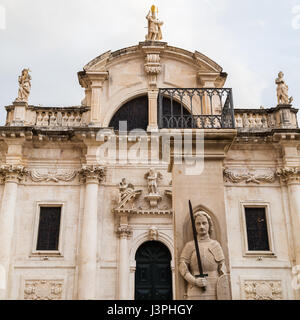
154	30
282	90
24	86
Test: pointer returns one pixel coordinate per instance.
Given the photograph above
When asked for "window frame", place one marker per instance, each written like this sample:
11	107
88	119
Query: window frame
257	253
59	252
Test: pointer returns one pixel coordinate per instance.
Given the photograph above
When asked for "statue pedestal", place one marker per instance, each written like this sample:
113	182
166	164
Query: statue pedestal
153	198
19	113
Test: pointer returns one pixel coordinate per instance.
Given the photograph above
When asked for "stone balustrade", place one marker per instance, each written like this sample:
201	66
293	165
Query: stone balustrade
47	117
282	116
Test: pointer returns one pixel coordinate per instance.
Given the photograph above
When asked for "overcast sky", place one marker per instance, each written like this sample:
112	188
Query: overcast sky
251	39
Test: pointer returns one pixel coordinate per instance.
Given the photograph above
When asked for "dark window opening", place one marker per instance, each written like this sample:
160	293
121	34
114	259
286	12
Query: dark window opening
49	225
257	230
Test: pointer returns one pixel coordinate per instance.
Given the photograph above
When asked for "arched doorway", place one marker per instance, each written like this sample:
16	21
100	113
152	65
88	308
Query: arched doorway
135	112
153	276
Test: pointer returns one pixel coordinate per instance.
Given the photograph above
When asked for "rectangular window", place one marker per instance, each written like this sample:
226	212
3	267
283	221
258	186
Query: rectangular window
48	229
257	229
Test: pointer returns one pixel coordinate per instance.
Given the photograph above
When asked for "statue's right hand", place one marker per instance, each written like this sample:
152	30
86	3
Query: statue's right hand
201	282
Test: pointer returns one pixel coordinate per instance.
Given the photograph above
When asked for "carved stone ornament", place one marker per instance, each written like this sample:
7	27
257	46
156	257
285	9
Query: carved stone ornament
91	172
52	175
43	289
289	174
124	231
153	233
249	177
263	289
13	172
128	196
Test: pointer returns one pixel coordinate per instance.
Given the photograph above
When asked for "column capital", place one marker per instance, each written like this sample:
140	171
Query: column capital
289	174
13	173
92	174
124	231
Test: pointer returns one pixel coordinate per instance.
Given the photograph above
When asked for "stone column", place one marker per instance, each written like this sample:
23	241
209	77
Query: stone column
124	232
291	176
87	262
12	175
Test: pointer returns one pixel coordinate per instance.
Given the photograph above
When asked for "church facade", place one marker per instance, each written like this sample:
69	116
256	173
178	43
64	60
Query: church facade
94	198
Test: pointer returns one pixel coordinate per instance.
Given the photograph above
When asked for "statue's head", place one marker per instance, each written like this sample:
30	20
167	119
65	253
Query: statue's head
203	223
280	74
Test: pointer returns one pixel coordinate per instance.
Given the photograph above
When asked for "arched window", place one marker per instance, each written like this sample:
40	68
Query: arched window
135	112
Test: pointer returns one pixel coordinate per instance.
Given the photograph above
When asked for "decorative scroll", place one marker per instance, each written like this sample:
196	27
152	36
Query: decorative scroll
249	177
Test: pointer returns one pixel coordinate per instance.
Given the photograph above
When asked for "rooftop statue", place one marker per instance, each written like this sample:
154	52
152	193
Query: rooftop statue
154	30
282	90
24	86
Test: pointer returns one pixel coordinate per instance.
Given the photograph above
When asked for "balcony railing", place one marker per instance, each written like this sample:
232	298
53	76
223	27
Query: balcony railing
202	108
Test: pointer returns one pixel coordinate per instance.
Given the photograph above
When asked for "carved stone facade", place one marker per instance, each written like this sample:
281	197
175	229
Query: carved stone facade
262	290
43	289
110	207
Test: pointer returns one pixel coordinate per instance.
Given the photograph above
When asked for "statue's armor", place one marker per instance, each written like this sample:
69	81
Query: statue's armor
211	255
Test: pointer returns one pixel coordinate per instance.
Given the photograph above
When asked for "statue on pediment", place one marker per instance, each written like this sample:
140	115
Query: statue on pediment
24	86
154	26
282	90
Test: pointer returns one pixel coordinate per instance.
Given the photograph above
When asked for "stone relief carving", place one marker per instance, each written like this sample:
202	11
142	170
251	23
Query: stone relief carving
282	90
128	196
216	284
263	289
288	174
52	175
43	289
153	233
153	196
154	25
248	177
24	86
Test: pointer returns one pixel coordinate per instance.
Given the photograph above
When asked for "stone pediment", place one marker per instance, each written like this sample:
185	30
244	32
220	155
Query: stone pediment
198	60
